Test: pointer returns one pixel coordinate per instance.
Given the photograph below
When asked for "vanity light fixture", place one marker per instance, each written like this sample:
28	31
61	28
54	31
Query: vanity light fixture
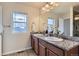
76	18
49	5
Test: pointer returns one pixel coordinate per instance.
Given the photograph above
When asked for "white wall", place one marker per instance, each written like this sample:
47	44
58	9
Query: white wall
14	42
71	21
0	30
43	20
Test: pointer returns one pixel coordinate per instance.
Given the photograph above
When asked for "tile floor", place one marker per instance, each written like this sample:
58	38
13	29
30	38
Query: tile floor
23	53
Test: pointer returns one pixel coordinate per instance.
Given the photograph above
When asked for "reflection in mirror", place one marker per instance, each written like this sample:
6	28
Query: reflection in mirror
62	16
50	25
76	21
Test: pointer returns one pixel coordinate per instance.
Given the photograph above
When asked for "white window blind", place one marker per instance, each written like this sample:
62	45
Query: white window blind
50	24
19	22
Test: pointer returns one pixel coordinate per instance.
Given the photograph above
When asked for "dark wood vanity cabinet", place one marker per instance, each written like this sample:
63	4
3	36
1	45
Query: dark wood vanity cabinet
52	50
43	48
55	50
73	52
49	49
34	43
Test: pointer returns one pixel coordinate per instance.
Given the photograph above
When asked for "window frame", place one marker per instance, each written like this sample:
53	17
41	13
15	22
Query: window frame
27	26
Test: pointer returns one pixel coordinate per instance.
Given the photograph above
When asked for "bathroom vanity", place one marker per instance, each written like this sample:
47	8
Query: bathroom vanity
62	47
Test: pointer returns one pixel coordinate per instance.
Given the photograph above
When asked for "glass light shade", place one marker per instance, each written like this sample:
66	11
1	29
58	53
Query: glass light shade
51	3
43	8
49	6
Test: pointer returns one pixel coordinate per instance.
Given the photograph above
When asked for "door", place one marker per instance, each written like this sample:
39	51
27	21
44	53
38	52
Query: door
67	27
41	50
14	41
35	45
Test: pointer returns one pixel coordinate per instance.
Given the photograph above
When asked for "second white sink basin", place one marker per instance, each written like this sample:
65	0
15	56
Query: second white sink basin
39	35
53	39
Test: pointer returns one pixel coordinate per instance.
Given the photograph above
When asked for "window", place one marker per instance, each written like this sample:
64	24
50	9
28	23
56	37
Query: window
19	22
50	24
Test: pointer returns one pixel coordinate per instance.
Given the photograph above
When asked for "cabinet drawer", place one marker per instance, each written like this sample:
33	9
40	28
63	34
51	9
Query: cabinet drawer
34	37
56	50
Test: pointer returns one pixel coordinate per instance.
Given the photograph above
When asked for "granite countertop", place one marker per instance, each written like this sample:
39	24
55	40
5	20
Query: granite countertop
64	44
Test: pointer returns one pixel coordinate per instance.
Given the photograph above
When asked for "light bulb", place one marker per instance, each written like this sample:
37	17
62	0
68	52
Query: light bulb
47	5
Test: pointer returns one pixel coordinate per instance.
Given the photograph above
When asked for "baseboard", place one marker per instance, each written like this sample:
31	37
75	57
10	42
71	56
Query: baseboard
16	51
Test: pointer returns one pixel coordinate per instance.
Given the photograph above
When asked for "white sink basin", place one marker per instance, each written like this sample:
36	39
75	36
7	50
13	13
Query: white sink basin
53	39
38	35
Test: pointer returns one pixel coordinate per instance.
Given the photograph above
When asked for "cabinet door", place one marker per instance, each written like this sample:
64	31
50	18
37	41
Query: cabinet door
36	45
55	49
32	42
50	53
41	50
73	52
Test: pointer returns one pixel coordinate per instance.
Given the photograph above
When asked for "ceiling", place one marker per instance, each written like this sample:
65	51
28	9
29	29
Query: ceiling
62	8
35	4
31	4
